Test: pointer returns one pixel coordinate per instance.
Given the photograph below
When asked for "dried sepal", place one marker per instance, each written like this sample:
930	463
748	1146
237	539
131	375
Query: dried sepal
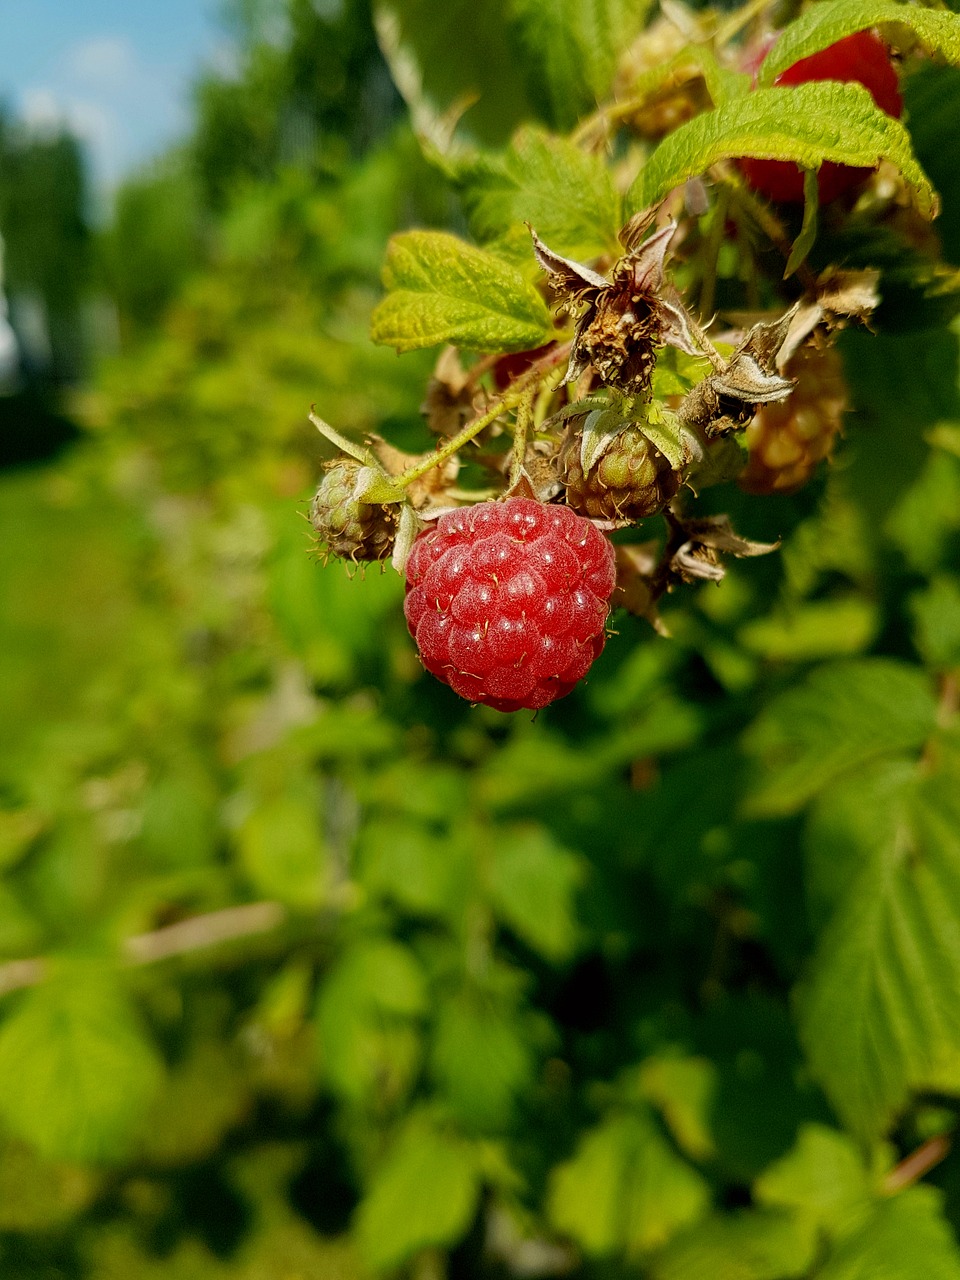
451	400
521	486
726	399
637	582
541	470
706	540
842	296
571	280
625	318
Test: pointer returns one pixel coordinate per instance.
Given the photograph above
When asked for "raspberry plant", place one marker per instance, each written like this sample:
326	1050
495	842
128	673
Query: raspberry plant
600	377
311	967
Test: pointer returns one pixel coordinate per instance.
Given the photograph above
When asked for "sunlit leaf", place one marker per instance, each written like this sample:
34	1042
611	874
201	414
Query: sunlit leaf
76	1070
844	716
533	882
282	850
482	1059
826	23
564	192
625	1190
766	1245
571	49
823	1175
879	1011
424	1193
905	1238
807	123
367	1010
441	289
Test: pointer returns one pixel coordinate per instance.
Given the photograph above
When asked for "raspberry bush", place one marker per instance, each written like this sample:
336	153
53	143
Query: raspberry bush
312	965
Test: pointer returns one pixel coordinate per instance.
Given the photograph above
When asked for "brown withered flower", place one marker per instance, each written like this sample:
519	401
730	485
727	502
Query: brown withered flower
625	318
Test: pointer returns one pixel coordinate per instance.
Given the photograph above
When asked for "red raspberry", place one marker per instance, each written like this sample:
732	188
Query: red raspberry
862	57
508	601
514	363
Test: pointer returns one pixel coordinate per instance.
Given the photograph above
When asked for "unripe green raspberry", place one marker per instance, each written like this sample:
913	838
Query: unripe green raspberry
631	479
346	528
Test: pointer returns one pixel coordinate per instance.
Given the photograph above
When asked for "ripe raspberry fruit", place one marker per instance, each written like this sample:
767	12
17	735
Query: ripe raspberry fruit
787	440
862	57
349	529
508	601
630	480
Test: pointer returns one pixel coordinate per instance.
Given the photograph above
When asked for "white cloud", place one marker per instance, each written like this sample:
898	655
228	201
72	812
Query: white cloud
104	62
40	111
115	101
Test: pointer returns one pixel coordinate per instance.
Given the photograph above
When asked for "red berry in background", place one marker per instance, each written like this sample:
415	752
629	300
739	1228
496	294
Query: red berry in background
508	601
862	57
514	363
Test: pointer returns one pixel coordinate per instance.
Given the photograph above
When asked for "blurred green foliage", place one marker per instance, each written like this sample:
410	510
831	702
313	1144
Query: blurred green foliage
311	970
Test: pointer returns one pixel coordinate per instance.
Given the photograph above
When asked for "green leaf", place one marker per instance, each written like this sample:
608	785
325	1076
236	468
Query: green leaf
826	23
179	826
823	1176
936	617
684	1090
571	49
423	872
807	123
879	1010
533	883
625	1190
366	1014
723	83
76	1071
931	97
19	828
844	716
417	37
676	372
20	932
764	1245
905	1238
817	629
565	193
441	289
37	1195
482	1060
424	1194
808	231
281	848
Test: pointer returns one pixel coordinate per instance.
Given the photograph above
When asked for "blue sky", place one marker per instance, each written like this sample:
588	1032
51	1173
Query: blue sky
118	72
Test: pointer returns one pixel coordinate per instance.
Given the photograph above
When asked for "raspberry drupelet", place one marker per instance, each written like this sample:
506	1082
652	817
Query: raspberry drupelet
508	601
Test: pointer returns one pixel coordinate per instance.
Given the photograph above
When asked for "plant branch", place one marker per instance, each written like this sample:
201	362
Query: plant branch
913	1167
509	400
194	934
